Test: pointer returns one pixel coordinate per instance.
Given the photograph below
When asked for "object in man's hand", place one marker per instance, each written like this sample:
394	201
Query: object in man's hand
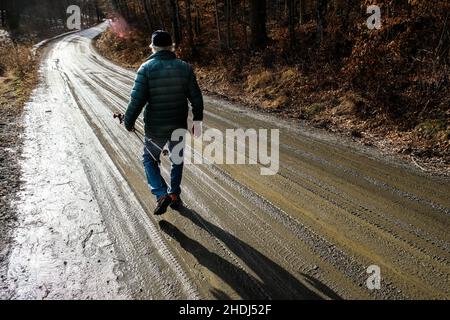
119	115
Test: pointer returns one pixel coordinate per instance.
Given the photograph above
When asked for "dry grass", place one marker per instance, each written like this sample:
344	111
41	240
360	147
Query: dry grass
130	50
260	80
16	58
18	75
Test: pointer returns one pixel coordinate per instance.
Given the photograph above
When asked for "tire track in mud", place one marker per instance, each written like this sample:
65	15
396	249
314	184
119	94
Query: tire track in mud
166	284
327	199
299	150
347	203
359	211
362	210
271	240
331	213
102	85
230	256
337	151
388	244
318	245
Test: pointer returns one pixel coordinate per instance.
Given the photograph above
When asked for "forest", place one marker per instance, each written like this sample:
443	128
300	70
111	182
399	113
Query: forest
313	60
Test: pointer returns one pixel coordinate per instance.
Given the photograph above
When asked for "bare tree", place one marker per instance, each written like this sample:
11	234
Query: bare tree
176	25
216	7
228	19
258	22
291	18
321	6
190	35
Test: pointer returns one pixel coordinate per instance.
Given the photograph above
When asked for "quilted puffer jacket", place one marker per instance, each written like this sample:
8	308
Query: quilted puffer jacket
163	86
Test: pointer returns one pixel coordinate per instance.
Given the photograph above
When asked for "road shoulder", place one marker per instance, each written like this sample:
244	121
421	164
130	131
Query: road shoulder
15	90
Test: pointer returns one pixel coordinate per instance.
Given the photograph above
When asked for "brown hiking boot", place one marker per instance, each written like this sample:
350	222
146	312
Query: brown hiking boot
176	201
161	205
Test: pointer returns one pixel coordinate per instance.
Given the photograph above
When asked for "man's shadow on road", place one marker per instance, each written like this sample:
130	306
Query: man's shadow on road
269	279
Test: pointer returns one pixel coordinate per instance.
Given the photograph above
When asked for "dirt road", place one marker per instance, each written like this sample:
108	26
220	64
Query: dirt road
85	227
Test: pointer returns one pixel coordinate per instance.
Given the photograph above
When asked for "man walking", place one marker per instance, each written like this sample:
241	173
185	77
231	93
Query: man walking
163	86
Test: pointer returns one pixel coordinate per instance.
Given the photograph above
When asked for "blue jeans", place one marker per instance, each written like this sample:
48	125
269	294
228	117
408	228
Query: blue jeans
151	163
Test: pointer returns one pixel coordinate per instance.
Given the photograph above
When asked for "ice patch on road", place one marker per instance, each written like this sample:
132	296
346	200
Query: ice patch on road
61	249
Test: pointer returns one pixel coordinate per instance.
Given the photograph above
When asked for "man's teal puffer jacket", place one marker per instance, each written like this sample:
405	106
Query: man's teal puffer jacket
163	85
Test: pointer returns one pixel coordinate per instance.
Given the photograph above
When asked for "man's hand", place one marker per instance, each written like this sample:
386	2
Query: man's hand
197	129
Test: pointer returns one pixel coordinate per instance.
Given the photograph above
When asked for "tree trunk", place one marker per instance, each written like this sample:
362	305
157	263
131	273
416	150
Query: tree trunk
160	15
321	8
147	16
258	23
219	38
197	22
98	12
176	21
127	11
189	24
301	11
3	17
244	23
228	19
291	17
